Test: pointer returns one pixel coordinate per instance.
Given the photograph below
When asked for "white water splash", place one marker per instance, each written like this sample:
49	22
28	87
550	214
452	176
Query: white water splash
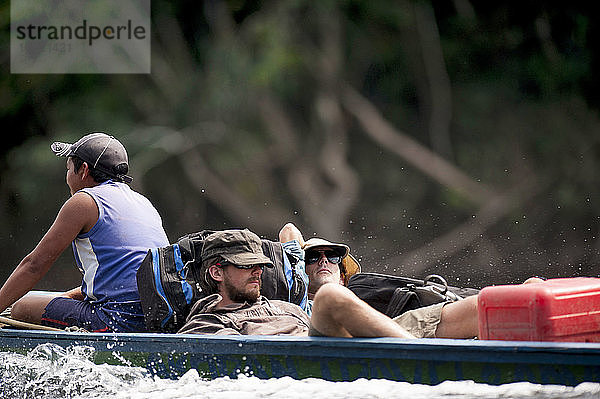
193	387
51	372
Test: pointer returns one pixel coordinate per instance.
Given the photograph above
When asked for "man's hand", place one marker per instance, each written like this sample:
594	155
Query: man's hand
75	293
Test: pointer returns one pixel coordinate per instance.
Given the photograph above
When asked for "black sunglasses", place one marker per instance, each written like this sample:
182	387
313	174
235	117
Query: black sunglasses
314	256
224	263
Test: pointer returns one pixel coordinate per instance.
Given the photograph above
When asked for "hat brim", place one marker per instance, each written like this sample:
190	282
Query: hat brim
248	258
316	242
61	149
351	267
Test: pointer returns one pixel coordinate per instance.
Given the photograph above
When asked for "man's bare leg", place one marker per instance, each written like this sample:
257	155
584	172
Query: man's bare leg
459	319
31	307
338	312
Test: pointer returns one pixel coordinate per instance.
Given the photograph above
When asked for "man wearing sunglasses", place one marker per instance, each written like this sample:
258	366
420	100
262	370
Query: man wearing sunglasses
232	263
325	262
329	267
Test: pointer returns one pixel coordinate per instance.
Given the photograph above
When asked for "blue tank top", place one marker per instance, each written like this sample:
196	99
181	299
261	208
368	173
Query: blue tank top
110	254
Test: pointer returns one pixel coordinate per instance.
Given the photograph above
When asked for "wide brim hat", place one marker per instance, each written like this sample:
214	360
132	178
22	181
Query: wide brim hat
349	263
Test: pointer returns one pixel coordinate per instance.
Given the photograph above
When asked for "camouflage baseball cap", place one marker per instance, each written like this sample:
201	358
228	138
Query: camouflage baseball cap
240	247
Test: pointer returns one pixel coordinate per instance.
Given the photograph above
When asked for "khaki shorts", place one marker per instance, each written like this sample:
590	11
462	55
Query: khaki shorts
421	322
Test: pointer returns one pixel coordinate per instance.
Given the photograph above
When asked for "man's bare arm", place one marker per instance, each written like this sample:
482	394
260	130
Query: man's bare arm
79	213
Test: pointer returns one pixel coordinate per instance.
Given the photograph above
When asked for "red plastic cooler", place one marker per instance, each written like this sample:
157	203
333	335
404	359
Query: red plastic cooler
562	309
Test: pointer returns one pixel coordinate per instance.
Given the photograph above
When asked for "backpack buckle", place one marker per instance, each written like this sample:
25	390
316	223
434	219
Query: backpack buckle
441	286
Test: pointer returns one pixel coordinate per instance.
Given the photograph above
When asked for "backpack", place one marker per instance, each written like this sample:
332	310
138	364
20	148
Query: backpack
167	280
394	295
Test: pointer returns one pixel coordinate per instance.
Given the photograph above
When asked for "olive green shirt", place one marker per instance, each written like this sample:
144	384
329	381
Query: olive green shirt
264	317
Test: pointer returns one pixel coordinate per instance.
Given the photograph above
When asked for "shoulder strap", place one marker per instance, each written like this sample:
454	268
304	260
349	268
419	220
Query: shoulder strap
399	301
191	251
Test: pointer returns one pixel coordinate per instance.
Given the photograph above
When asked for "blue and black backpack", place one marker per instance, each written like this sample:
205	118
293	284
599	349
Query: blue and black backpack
167	280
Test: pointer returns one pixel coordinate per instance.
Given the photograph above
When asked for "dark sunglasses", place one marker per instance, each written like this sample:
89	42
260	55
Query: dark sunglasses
223	264
314	256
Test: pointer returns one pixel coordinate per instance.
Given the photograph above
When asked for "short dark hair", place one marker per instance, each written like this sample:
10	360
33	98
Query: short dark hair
208	285
98	176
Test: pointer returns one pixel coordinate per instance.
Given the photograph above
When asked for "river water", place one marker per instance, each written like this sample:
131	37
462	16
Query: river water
50	371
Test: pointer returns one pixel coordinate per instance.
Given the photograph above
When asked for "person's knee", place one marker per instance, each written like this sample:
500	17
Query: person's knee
330	308
332	296
532	280
30	308
20	310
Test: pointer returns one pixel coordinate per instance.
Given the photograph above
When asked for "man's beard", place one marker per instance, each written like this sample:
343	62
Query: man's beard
250	295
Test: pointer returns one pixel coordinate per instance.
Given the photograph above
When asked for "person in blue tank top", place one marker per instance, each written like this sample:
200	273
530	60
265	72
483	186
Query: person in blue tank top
110	228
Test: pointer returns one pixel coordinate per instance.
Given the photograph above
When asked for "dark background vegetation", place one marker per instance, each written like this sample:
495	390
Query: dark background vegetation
456	137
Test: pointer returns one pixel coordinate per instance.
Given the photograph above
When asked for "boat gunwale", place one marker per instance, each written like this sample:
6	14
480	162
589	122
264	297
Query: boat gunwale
574	353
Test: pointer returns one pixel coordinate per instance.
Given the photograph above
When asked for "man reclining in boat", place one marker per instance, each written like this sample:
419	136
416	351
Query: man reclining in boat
110	228
232	263
325	262
331	263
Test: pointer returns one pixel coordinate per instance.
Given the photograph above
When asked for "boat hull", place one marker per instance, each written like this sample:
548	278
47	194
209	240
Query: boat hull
425	361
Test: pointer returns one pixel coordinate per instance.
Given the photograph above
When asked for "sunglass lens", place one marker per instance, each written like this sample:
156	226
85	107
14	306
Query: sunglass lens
333	257
248	266
313	257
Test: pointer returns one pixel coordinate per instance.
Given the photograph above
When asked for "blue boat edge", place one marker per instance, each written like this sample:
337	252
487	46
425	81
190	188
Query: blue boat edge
424	361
